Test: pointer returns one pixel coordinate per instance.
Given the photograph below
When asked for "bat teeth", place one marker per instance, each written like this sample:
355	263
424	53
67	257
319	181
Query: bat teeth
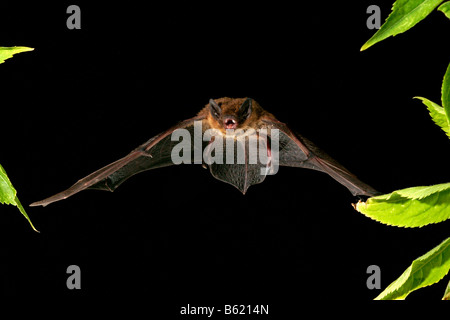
230	123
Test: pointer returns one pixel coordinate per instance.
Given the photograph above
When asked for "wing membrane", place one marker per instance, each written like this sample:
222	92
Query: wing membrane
155	153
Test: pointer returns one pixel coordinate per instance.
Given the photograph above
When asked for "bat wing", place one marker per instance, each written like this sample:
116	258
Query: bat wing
296	151
236	161
155	153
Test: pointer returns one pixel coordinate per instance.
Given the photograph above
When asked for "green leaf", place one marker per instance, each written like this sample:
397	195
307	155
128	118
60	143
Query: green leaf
420	193
8	52
8	195
446	93
405	14
7	191
447	292
441	115
445	8
438	115
411	207
424	271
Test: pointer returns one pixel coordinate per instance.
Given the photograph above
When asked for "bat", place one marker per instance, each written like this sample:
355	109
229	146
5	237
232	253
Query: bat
230	124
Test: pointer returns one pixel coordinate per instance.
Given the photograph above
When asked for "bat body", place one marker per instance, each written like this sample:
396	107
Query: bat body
226	127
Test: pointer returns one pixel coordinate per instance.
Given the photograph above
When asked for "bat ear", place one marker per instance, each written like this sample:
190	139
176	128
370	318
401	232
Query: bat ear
245	110
215	109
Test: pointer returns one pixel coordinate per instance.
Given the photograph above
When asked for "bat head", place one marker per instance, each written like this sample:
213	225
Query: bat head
228	113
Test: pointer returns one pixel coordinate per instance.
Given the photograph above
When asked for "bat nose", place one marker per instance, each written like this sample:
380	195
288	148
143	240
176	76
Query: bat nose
229	123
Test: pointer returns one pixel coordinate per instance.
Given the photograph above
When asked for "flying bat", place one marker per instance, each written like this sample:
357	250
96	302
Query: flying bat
229	124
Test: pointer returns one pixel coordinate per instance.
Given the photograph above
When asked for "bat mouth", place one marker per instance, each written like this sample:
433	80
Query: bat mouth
230	123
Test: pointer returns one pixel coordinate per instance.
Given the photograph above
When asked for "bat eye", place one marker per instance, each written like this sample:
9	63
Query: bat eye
215	109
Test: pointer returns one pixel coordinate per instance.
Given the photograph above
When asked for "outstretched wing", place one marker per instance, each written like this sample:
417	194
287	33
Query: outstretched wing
155	153
296	151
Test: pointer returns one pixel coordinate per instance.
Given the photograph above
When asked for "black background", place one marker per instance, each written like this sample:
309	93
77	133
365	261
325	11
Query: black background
84	98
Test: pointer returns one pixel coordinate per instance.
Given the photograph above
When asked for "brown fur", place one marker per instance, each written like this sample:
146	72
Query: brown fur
230	106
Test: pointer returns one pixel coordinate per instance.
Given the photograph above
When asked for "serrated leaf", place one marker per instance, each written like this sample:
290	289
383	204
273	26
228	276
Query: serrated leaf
445	8
420	193
8	195
438	114
447	292
424	271
411	207
8	52
405	14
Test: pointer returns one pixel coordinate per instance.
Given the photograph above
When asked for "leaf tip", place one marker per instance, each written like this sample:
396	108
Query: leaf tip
25	49
364	47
